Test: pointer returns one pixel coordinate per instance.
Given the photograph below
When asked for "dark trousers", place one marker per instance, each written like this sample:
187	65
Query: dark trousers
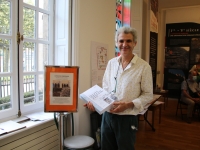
118	132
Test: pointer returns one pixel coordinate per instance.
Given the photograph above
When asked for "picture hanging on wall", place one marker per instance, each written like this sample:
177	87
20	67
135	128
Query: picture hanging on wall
195	51
61	88
177	57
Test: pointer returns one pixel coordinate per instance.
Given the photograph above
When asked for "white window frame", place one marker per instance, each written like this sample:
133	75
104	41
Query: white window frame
55	51
8	113
37	105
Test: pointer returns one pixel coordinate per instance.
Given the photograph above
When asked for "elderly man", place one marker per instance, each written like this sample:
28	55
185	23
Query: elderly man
190	93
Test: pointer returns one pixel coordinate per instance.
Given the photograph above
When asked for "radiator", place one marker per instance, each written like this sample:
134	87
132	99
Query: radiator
41	137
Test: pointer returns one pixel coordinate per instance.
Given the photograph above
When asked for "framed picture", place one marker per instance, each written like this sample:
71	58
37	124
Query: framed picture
61	88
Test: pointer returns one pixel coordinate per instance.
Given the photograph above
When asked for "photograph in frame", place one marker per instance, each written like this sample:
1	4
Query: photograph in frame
61	88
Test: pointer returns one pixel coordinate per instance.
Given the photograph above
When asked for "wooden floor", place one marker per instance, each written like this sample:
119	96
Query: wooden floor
172	134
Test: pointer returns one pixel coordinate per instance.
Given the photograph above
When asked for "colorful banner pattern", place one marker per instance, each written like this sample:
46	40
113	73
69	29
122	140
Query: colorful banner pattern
122	16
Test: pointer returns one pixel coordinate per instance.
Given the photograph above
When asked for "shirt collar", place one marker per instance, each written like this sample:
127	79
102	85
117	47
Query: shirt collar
134	60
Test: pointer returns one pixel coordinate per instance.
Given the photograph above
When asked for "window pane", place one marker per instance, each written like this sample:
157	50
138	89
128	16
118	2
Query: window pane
28	56
44	4
42	56
40	87
4	55
43	26
4	17
30	2
29	89
29	23
5	100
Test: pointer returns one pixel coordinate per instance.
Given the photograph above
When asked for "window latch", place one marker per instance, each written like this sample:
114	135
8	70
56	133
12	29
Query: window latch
19	37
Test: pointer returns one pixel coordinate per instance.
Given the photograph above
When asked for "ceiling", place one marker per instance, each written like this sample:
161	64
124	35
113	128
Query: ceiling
177	3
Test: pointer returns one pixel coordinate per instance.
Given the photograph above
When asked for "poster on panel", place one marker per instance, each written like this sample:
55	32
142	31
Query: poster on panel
61	88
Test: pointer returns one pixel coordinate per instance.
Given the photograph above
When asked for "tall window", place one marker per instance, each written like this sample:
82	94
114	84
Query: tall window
22	61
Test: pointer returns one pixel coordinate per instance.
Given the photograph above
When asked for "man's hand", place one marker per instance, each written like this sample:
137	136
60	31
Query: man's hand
121	106
90	106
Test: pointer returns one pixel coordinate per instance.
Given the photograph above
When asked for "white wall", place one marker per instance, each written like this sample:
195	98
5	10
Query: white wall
95	22
136	22
172	15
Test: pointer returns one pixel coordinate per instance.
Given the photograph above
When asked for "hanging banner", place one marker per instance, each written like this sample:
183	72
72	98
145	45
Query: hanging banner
182	52
123	17
182	45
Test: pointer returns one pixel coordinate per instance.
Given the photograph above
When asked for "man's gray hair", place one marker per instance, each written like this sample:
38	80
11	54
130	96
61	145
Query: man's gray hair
126	30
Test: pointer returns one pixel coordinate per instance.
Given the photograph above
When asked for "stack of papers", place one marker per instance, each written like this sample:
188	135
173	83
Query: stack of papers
10	126
40	116
154	100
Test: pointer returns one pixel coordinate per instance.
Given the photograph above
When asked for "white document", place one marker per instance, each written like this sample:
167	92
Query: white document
10	126
155	98
40	116
100	98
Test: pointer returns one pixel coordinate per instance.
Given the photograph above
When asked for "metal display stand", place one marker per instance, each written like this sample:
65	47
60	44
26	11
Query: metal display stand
61	116
61	82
